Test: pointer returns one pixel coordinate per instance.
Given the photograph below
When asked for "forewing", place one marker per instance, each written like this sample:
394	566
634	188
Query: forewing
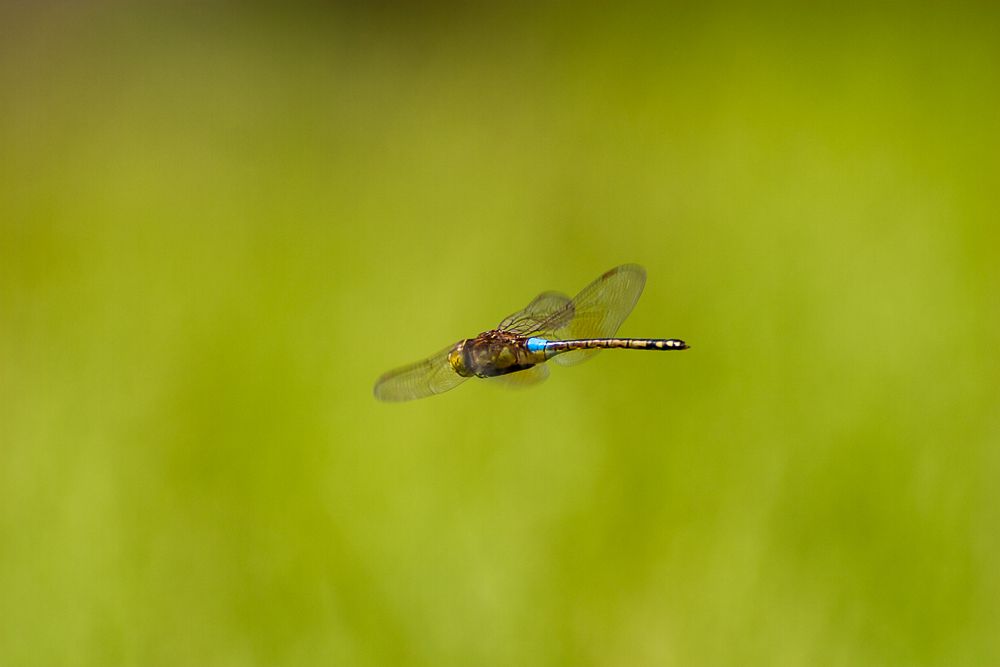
598	310
433	375
547	306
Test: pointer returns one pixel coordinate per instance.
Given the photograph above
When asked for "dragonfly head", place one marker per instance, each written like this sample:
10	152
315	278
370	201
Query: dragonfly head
457	359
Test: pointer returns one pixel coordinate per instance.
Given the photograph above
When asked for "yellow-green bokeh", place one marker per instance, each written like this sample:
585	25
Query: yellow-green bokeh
219	225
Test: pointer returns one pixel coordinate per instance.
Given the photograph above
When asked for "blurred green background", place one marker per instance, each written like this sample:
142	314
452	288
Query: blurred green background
220	223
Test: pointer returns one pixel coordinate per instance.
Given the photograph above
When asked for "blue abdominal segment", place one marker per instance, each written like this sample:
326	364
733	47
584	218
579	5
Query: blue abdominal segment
536	344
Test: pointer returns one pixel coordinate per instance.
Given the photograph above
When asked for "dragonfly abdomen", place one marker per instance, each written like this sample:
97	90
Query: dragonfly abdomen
554	347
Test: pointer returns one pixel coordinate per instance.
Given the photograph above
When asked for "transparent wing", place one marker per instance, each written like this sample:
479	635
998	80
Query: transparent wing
545	307
524	379
597	311
433	375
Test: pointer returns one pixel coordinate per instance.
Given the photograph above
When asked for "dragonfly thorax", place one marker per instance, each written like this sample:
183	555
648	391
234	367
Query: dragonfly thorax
492	353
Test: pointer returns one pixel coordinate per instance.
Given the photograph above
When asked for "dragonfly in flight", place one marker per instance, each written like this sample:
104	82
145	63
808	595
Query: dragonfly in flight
552	326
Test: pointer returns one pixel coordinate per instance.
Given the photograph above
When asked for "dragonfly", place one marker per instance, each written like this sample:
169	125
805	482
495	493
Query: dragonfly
552	326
